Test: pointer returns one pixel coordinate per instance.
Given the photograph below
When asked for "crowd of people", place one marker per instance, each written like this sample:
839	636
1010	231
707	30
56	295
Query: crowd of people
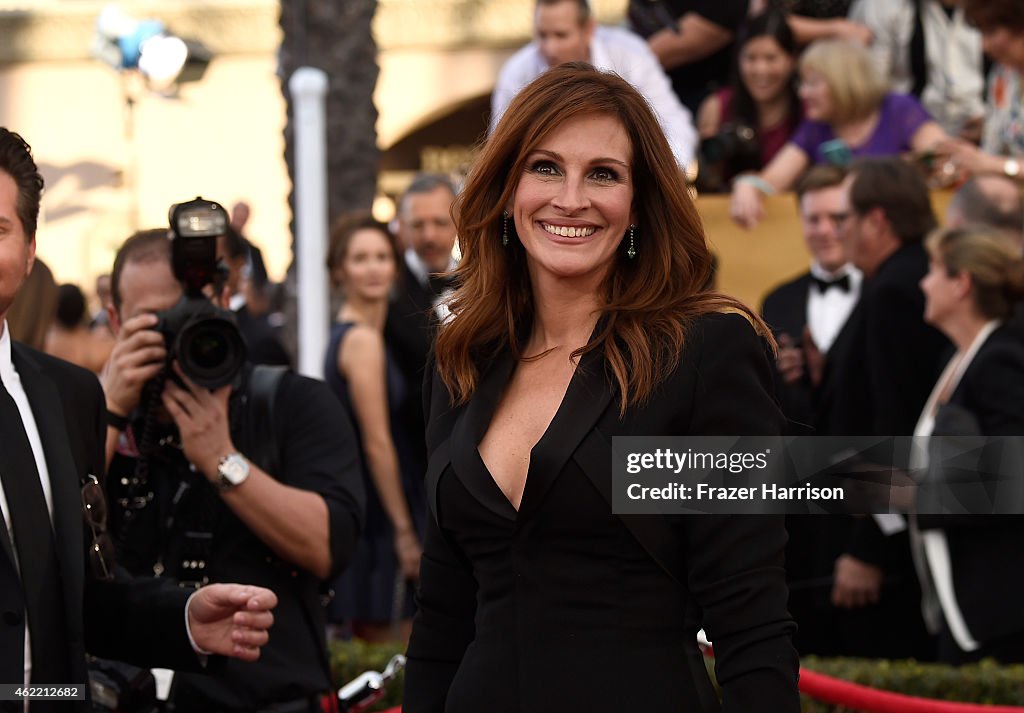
447	484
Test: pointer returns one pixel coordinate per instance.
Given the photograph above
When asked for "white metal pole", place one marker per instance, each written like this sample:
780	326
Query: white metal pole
309	88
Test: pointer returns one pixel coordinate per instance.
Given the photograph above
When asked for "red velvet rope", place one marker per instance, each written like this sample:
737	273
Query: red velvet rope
871	700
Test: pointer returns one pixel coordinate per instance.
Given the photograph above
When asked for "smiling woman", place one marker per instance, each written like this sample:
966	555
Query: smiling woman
581	315
573	204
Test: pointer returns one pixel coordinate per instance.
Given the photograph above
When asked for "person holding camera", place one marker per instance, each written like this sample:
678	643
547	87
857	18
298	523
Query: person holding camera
62	597
221	470
742	126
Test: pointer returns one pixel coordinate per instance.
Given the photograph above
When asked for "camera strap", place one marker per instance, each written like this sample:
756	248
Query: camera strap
263	384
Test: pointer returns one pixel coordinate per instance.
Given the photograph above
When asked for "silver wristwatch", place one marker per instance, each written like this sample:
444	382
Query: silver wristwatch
232	471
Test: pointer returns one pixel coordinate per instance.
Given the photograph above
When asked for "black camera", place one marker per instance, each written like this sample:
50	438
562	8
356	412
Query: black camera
733	150
734	143
202	337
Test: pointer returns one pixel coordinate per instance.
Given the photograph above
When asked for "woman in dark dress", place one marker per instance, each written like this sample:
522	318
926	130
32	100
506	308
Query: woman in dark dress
974	286
375	594
580	317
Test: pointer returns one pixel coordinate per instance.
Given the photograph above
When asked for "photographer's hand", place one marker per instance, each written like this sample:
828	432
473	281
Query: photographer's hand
137	357
202	419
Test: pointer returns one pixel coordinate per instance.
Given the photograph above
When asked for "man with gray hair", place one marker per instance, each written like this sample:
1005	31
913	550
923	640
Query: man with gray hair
988	200
565	31
426	231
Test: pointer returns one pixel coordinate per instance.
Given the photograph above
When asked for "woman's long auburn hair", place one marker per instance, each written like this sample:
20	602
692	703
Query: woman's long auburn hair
646	303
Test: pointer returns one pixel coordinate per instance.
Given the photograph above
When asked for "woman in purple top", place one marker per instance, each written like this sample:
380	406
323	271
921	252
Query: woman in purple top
849	113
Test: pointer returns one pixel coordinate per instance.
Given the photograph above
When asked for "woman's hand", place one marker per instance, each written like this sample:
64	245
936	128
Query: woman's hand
746	207
408	551
966	157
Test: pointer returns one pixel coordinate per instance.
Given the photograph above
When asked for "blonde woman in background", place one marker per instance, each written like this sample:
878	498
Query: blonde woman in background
849	113
975	281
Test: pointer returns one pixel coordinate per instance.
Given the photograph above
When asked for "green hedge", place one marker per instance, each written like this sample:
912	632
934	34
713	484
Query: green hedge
986	682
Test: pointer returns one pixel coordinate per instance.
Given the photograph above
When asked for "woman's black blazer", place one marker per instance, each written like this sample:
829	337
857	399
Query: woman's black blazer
561	606
983	549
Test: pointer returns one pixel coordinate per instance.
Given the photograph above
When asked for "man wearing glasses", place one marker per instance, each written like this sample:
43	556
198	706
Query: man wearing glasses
56	602
250	482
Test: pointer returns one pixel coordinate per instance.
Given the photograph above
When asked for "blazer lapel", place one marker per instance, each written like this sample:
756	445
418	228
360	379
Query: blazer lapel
6	545
48	412
469	429
586	400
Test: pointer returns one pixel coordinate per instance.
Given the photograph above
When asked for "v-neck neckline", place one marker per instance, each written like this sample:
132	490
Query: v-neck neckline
584	400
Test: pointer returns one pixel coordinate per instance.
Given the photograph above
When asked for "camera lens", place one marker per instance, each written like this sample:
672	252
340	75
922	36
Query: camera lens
210	350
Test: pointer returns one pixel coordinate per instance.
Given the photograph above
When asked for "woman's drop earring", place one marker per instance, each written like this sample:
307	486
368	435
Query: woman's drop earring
631	251
504	228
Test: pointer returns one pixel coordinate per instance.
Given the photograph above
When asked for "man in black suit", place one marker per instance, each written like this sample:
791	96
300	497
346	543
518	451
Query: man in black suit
988	200
427	233
261	484
262	344
57	598
876	380
807	313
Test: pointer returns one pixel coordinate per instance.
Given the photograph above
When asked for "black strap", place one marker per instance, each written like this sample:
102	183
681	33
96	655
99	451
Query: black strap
263	384
918	62
35	546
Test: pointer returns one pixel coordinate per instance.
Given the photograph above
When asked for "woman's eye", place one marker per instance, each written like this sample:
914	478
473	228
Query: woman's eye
605	174
544	168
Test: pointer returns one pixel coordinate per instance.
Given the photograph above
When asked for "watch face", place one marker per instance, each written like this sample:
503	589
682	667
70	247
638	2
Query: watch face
234	469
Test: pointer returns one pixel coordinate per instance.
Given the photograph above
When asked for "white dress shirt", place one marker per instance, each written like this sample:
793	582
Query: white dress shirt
612	49
12	382
828	311
954	92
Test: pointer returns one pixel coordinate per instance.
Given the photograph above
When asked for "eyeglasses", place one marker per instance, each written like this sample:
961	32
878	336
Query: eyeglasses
101	550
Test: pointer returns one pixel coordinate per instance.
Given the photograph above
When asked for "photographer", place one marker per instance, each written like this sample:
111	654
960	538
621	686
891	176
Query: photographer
234	479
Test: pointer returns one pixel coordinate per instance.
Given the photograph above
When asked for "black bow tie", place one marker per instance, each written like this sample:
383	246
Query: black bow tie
439	282
842	283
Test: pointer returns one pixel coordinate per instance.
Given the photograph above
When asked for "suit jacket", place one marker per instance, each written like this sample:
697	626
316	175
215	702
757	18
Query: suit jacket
560	606
880	371
262	345
988	592
104	618
409	333
878	375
